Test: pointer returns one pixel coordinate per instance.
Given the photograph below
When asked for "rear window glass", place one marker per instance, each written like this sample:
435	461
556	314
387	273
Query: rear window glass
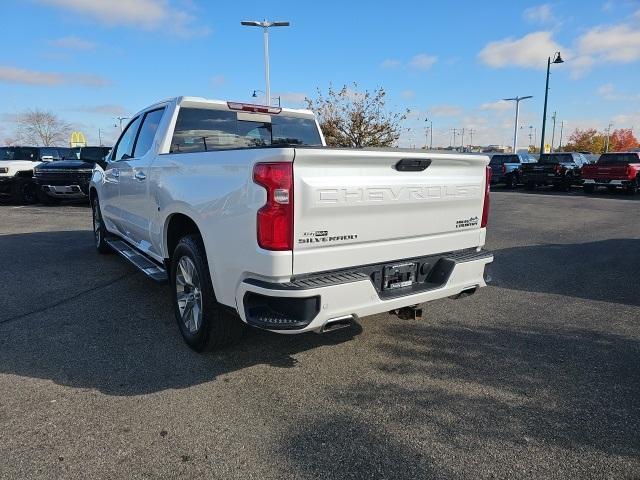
501	159
19	153
617	158
556	158
201	129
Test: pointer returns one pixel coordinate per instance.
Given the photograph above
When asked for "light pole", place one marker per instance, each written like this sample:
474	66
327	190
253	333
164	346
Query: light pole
556	59
99	137
120	119
255	95
606	144
515	128
553	134
265	31
430	127
561	128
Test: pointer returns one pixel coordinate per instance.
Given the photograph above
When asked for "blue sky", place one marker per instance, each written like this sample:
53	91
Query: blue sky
91	60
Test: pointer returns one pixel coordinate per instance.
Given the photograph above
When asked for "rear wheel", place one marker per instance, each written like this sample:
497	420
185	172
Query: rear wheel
99	230
632	188
512	181
589	188
203	322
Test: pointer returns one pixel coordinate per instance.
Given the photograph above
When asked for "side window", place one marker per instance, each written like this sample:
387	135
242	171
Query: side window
147	132
127	139
199	130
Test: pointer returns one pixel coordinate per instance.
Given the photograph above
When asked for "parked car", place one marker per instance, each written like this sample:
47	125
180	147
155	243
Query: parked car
16	170
562	170
506	167
246	214
613	170
68	178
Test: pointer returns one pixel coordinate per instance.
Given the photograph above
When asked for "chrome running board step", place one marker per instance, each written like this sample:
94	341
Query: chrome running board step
139	260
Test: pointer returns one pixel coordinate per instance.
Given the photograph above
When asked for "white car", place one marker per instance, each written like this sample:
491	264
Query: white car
252	220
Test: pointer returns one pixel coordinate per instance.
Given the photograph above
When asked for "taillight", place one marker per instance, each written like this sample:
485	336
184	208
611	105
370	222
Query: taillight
504	168
627	172
558	169
485	205
275	218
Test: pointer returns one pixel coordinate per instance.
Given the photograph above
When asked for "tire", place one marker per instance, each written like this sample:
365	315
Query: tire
25	192
589	188
530	186
99	231
205	325
512	181
632	188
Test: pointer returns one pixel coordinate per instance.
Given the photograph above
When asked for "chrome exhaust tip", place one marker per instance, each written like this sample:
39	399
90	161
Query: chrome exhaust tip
337	323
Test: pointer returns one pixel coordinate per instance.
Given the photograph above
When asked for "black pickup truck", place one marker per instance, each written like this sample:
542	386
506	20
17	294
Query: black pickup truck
68	179
562	170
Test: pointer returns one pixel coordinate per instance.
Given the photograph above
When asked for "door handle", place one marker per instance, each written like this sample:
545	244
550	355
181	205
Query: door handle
140	176
412	165
115	172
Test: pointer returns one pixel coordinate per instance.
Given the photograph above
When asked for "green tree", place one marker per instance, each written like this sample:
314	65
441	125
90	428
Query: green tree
352	118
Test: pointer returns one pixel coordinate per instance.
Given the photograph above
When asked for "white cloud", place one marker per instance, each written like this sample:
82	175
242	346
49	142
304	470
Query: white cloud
540	14
23	76
106	109
390	63
609	92
407	94
498	106
289	98
73	43
617	43
445	110
422	61
146	14
528	51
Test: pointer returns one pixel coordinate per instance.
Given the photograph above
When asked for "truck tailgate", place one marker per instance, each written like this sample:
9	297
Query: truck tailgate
354	207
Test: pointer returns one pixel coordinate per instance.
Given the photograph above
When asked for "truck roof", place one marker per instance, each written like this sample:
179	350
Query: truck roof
209	102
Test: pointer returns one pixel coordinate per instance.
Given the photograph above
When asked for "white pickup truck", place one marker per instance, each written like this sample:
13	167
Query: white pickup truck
251	219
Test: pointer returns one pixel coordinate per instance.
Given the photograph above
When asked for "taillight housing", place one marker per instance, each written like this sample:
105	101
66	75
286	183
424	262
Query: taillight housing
559	169
504	168
485	204
628	172
275	218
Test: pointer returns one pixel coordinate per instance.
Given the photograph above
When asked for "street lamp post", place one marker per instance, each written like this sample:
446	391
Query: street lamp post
255	95
556	59
430	127
515	128
553	134
120	119
606	144
265	29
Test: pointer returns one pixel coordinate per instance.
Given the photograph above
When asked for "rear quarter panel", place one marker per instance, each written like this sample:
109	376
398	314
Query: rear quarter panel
216	190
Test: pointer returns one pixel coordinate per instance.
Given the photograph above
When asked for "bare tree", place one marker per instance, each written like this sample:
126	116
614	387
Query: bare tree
350	118
43	128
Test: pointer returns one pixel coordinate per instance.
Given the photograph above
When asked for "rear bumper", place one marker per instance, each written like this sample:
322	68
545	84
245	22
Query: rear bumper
606	182
544	178
74	191
317	301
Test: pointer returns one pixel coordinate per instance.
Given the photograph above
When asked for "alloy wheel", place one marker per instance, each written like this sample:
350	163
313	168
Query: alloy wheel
189	294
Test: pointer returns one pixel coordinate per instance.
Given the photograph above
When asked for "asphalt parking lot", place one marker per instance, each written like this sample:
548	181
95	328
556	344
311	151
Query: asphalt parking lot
536	376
